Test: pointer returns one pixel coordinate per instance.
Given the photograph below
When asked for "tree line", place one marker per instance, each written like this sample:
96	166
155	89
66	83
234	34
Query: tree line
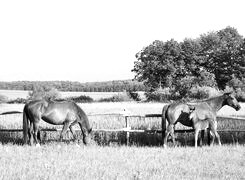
215	59
107	86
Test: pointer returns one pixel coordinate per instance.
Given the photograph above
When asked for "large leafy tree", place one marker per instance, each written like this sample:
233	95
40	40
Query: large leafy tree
213	59
194	58
159	63
224	55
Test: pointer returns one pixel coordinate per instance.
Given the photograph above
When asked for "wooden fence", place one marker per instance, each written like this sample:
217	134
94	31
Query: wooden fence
127	128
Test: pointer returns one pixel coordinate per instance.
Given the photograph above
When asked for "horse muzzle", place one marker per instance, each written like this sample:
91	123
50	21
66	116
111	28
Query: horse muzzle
238	107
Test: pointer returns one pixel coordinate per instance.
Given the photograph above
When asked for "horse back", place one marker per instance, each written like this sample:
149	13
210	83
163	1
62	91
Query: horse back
178	112
35	108
69	110
204	111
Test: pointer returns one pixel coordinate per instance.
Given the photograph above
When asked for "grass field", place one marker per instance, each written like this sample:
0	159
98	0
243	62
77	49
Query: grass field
62	161
108	158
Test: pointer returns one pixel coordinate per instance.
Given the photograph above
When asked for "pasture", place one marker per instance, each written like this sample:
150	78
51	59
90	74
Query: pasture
62	161
109	158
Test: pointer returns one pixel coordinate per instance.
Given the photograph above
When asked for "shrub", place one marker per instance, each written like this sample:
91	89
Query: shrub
198	93
203	92
18	101
133	95
240	96
81	99
3	98
166	94
116	98
237	86
157	96
42	93
183	86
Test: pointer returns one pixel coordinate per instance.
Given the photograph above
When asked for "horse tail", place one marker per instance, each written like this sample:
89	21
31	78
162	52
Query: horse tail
164	119
25	125
83	117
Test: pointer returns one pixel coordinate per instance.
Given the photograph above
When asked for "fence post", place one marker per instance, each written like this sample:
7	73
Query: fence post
209	137
127	132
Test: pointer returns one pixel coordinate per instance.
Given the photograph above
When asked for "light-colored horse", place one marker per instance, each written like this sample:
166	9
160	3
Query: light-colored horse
200	116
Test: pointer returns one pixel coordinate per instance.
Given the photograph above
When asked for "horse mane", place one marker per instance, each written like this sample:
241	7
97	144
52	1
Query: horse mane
208	99
212	98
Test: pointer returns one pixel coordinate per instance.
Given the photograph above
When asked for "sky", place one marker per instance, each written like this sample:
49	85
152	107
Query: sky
97	40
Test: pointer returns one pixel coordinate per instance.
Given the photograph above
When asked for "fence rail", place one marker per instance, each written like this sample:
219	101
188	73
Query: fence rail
127	128
122	130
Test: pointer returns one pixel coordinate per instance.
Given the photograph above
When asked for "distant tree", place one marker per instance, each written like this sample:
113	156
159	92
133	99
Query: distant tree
40	92
159	63
107	86
224	51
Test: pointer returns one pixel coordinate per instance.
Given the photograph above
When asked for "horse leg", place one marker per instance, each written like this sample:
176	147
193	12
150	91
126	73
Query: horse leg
202	137
30	133
218	137
64	129
214	129
209	138
166	138
36	132
196	136
86	138
167	132
212	137
73	131
172	134
39	135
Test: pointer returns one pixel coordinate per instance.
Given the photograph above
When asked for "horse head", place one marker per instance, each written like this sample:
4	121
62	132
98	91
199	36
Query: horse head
191	107
192	112
230	100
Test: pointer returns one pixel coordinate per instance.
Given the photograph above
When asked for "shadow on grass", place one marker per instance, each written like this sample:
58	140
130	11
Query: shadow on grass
119	138
11	137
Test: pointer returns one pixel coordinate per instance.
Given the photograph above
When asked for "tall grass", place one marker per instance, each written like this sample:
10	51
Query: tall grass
61	161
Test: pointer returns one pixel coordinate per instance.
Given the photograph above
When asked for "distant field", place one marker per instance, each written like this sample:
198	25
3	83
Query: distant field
108	158
133	108
14	94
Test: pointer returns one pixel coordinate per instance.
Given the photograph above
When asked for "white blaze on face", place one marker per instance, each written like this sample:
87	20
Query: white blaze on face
192	115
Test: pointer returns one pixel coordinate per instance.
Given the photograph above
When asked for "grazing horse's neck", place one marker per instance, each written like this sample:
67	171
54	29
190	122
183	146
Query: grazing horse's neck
216	103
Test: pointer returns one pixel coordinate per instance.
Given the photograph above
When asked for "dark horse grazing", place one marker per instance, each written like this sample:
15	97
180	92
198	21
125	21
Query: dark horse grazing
200	116
57	113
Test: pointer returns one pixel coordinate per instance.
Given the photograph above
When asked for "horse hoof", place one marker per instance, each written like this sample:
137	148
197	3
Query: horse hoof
164	146
38	145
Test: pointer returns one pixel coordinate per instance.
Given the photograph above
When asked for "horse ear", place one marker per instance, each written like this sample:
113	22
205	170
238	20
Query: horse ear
90	130
228	93
192	108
